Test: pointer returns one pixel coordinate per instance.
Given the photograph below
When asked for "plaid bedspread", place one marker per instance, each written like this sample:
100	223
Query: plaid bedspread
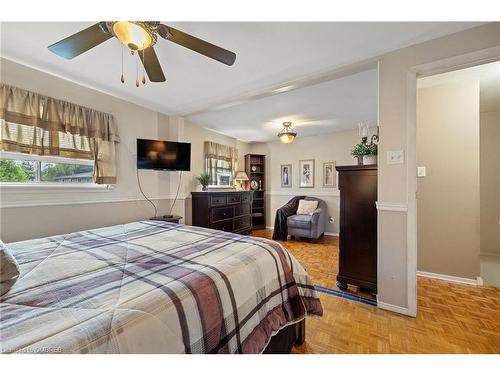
152	287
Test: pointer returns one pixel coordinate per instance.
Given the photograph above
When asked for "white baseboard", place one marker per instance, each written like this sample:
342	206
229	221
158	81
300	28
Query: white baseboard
393	308
326	233
452	279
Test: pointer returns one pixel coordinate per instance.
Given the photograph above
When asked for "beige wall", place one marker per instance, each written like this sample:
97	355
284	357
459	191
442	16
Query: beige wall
490	182
448	197
327	147
394	70
38	213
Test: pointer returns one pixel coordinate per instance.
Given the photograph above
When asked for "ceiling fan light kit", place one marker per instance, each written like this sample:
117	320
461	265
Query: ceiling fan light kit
139	37
287	134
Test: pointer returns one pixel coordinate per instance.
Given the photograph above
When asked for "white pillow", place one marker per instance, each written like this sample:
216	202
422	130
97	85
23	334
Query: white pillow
9	270
306	207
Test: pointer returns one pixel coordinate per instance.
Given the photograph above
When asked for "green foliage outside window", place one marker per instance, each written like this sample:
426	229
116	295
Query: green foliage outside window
15	171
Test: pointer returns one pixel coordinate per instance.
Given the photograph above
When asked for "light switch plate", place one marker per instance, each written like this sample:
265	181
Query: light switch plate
421	172
395	157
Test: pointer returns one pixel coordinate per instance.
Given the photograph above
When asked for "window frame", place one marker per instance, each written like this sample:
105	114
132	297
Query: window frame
44	185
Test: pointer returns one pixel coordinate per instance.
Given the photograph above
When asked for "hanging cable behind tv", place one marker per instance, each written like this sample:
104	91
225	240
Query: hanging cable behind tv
144	195
170	215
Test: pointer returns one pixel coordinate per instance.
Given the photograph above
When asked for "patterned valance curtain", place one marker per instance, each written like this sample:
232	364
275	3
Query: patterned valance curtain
220	159
40	125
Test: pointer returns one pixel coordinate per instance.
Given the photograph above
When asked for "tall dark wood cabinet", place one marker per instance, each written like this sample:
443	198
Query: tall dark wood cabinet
358	227
255	168
230	211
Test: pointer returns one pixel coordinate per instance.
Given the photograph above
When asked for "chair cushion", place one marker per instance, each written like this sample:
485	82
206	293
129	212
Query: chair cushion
9	270
306	207
299	221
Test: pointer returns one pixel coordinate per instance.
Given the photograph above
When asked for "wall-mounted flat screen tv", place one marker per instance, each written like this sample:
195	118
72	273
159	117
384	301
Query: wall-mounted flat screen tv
163	155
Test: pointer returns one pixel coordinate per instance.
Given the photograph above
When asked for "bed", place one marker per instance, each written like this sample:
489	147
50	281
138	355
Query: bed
155	287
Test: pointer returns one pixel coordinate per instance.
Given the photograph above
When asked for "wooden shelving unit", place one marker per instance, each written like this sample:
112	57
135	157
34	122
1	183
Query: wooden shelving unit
258	162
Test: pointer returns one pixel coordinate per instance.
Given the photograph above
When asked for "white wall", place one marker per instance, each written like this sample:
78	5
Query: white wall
327	147
39	213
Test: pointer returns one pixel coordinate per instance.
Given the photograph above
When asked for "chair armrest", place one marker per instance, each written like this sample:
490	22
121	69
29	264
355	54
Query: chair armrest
316	214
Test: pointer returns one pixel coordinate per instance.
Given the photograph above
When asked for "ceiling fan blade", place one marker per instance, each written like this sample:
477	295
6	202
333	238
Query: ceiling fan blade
152	65
80	42
196	44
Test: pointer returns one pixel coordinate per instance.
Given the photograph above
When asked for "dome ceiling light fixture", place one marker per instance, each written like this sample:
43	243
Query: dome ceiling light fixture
287	134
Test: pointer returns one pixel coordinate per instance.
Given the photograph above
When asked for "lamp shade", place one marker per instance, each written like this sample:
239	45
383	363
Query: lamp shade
241	176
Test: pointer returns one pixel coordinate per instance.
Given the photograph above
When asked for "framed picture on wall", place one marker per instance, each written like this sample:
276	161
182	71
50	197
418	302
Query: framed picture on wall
329	174
286	175
306	173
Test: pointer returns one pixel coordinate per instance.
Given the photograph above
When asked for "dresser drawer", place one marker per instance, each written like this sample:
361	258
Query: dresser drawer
242	222
246	198
226	226
222	213
242	209
218	200
233	198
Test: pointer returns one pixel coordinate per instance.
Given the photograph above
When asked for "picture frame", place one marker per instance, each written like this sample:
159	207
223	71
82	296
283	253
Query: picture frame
224	179
306	173
286	175
329	177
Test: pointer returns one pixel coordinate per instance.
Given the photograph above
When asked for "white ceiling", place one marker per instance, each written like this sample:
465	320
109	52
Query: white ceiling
334	105
489	83
268	54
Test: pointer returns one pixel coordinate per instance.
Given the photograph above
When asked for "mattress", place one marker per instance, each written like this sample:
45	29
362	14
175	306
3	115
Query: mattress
152	287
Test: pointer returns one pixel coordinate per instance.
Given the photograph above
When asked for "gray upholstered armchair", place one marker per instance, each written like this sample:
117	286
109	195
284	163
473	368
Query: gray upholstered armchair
310	226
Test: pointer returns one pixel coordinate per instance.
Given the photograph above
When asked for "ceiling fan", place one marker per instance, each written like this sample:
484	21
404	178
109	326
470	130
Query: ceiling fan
139	37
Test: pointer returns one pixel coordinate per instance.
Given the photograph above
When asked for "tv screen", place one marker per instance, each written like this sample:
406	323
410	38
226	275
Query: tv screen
163	155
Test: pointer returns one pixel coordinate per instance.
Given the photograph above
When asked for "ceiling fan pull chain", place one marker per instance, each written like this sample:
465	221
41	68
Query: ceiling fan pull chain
143	64
122	78
137	71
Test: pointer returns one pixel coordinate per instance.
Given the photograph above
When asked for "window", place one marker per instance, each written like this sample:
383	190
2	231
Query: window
12	170
71	143
224	179
220	163
24	168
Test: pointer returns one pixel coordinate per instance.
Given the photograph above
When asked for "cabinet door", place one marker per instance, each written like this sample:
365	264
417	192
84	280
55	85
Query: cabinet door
358	225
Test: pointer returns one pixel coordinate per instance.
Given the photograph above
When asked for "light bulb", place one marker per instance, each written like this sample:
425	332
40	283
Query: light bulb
132	35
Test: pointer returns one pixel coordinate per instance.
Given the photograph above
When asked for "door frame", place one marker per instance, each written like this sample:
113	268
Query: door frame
464	61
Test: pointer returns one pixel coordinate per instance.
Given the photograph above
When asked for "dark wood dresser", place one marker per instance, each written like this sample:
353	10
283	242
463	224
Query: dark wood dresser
358	227
230	211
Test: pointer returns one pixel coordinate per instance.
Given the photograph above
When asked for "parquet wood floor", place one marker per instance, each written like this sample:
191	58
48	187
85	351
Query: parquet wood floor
451	318
320	258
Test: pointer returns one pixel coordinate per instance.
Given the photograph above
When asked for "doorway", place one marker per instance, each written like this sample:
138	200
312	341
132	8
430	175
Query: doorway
458	169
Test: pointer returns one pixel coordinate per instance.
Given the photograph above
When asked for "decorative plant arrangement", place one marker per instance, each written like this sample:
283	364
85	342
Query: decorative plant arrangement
365	153
203	179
